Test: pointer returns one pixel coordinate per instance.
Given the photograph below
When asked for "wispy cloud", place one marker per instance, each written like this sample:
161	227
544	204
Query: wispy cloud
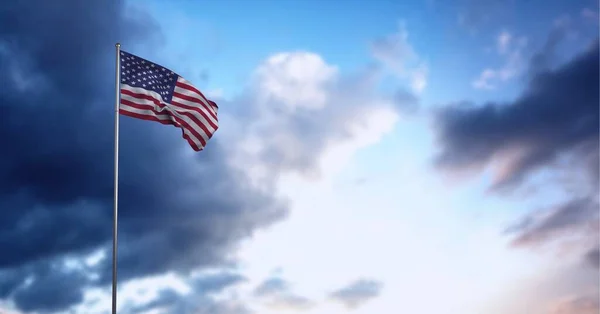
398	55
510	48
503	42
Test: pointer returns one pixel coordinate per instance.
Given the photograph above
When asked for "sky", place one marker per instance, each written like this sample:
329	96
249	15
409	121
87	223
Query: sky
419	156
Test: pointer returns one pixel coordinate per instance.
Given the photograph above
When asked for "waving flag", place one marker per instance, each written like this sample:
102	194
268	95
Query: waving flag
152	92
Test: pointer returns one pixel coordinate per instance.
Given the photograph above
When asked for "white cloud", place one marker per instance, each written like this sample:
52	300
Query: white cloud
295	80
303	117
399	56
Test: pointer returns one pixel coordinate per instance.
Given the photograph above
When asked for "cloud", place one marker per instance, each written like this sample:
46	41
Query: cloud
274	133
398	55
178	211
511	49
299	115
216	282
271	286
584	304
357	293
279	294
563	220
557	114
593	257
199	299
41	291
295	80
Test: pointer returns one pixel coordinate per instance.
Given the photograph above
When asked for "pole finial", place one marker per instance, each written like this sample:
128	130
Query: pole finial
118	45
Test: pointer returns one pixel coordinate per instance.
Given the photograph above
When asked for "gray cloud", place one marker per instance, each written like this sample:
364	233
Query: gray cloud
279	294
358	292
592	257
177	212
271	286
565	219
216	282
557	114
43	287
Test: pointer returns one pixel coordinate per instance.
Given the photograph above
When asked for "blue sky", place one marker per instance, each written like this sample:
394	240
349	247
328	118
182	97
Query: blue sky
229	43
386	157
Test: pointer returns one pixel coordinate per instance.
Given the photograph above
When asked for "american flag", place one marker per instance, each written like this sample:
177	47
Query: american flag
152	92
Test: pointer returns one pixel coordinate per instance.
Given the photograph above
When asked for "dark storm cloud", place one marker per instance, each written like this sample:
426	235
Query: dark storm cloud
557	113
358	292
177	212
43	289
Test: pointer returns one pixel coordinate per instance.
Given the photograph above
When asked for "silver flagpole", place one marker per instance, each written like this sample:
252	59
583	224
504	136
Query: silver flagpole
116	194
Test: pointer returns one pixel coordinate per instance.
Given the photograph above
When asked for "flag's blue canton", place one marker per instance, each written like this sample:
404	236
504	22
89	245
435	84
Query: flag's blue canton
138	72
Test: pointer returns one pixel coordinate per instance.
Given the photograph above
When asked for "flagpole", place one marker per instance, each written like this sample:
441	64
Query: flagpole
116	192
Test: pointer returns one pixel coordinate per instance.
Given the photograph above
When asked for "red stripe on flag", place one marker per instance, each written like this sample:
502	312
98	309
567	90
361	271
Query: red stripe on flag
199	93
166	122
180	121
185	113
